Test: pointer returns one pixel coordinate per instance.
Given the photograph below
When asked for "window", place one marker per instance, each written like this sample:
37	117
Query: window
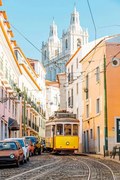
73	19
66	43
87	111
68	98
91	133
77	114
71	78
75	129
86	89
71	98
15	110
77	63
68	75
48	131
5	130
59	129
67	129
98	106
9	104
45	55
12	107
77	88
78	43
97	74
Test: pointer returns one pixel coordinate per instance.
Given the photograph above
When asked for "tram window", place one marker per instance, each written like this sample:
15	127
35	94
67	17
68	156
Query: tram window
59	129
48	131
67	129
75	129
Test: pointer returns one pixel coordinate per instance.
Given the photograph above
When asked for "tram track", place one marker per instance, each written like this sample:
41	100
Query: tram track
64	167
99	169
89	170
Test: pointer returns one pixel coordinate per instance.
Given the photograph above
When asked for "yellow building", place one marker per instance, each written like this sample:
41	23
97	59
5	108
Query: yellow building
101	96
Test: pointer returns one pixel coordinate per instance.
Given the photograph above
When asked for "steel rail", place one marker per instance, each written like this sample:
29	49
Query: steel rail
89	170
103	165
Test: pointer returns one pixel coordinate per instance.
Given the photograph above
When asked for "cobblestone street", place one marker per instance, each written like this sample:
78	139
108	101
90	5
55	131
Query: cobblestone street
51	167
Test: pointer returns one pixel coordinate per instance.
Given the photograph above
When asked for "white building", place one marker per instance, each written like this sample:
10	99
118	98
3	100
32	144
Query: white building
52	97
56	52
40	71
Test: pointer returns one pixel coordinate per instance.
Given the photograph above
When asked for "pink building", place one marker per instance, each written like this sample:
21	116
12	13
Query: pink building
9	77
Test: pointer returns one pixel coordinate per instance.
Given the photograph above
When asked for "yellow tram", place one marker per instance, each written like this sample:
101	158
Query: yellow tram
62	132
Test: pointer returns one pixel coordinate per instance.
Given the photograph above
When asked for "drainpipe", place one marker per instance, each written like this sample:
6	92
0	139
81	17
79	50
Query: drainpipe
105	108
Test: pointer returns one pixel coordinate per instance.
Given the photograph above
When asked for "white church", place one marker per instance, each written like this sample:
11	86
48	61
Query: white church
57	51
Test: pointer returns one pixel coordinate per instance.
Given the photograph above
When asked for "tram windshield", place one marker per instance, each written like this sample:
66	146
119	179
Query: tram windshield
59	129
75	129
67	129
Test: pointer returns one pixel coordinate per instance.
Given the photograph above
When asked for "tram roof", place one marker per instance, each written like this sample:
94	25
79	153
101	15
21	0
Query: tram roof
63	120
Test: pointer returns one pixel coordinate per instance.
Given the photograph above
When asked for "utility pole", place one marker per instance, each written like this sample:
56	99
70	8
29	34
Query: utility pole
105	107
24	118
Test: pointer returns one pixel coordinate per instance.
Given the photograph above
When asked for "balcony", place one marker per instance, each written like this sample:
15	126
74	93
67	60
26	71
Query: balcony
28	102
4	80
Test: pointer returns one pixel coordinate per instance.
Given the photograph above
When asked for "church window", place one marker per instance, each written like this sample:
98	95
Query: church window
45	54
52	31
66	43
56	52
73	19
78	43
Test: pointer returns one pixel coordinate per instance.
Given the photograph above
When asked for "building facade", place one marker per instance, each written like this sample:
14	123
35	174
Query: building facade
62	85
41	73
9	76
52	97
56	52
22	100
101	93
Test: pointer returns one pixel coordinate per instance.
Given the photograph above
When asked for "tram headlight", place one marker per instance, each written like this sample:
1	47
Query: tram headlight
67	143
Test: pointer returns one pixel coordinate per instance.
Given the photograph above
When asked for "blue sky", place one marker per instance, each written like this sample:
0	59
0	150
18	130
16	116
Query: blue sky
33	18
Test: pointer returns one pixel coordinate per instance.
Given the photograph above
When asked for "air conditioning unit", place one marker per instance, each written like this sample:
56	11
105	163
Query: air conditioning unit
115	62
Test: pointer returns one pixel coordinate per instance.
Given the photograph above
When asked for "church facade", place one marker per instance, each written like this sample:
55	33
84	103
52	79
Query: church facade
57	51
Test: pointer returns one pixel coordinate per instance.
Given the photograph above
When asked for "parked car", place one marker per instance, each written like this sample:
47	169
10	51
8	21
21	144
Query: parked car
31	147
23	145
35	143
11	152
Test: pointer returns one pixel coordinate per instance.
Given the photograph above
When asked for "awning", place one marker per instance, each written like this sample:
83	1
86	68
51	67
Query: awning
13	125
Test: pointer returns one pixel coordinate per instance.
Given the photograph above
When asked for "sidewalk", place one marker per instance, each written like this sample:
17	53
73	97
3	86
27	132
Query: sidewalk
116	159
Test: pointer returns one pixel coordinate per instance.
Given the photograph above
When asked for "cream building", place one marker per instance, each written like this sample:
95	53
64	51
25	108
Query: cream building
41	73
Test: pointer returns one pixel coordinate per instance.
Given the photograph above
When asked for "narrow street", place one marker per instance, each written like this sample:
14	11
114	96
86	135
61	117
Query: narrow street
69	167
